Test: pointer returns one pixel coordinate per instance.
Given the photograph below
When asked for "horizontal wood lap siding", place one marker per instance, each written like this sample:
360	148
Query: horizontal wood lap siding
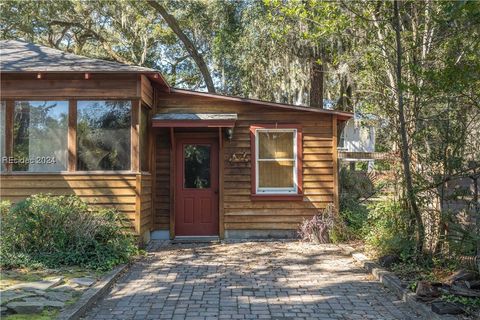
117	191
243	213
143	220
162	181
113	88
240	211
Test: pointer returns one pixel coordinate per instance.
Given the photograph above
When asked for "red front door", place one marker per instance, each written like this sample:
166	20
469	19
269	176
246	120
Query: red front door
196	196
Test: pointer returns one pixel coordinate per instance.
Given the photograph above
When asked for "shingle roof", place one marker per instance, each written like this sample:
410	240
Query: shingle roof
19	56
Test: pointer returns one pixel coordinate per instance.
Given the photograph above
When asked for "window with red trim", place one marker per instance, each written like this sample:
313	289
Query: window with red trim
276	160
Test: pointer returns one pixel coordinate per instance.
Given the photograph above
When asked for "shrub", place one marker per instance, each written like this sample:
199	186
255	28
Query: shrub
353	187
388	230
325	227
55	231
4	207
355	216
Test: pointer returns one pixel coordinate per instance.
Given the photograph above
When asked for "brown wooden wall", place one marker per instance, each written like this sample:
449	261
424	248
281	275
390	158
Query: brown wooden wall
161	220
143	204
243	213
240	211
111	190
129	192
74	86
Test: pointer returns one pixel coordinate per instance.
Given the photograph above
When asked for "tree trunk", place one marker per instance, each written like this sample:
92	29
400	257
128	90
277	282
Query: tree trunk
476	213
420	231
196	56
316	84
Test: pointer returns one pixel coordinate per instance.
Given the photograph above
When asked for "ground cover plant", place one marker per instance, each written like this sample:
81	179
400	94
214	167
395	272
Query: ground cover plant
45	231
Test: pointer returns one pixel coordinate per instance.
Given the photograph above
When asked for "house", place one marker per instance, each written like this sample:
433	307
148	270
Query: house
357	141
177	163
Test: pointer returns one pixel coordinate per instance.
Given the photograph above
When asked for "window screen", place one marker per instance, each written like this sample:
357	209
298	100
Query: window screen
40	135
103	135
276	160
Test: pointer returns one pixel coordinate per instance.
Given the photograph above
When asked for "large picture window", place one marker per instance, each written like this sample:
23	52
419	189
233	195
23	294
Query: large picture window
40	136
276	161
103	135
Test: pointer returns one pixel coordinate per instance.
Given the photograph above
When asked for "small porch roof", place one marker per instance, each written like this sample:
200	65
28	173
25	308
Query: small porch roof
194	120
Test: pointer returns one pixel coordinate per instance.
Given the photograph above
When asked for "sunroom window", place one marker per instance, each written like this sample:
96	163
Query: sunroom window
40	136
276	161
103	135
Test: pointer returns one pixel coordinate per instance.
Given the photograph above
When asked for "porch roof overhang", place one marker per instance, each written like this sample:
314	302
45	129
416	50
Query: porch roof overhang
194	120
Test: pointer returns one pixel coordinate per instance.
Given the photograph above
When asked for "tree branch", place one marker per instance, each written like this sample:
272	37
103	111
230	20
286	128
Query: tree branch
189	46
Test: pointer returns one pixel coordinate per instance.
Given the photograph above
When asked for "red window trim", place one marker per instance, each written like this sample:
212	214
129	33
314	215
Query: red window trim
280	196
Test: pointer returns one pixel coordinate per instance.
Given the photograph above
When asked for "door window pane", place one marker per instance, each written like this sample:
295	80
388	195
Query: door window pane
40	131
103	135
196	166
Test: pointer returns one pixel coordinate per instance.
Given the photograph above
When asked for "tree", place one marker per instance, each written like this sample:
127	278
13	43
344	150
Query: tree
190	47
405	152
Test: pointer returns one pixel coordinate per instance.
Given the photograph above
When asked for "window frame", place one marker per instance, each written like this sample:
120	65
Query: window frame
277	193
134	131
71	135
12	151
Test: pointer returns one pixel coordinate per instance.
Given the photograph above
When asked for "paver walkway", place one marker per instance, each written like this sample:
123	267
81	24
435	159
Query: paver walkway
248	280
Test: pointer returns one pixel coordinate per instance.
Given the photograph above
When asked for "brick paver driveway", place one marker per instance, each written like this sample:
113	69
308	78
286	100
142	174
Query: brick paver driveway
248	280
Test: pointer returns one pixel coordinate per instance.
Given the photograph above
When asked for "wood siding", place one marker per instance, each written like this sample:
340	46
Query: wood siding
109	190
20	86
112	190
129	192
143	210
146	90
78	89
239	210
161	220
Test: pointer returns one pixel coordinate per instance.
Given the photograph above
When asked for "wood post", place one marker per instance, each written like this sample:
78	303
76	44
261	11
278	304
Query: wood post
172	183
138	203
9	109
135	143
336	185
72	135
221	162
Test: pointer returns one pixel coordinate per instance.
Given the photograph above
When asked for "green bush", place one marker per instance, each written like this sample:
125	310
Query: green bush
353	187
4	207
56	231
388	230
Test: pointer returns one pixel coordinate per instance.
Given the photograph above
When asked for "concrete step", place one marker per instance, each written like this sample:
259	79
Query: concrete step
195	239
